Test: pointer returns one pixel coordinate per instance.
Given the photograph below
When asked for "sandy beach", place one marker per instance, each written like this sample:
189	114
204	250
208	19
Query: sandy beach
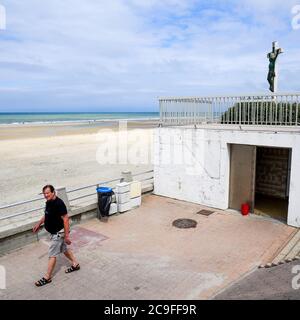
70	155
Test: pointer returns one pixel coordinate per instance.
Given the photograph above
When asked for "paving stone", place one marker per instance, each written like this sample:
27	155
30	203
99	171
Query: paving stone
142	249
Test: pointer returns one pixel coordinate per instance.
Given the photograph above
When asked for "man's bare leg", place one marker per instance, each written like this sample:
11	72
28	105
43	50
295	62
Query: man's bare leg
51	265
69	254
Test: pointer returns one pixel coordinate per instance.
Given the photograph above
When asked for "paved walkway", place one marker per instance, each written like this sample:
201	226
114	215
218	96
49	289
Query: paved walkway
274	283
140	255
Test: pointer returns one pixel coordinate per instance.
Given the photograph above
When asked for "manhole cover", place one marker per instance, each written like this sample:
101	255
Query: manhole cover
205	212
185	223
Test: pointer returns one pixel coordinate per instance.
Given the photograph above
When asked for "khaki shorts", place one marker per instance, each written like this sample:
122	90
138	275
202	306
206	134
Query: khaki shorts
57	244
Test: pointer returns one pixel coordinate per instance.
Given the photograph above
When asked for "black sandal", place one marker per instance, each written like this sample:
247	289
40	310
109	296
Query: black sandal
72	268
42	282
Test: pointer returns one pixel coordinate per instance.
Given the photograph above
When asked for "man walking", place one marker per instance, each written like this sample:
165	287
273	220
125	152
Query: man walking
56	222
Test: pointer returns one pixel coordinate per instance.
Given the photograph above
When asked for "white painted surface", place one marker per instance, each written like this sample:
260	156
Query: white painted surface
135	189
193	164
123	187
123	197
135	202
122	207
113	208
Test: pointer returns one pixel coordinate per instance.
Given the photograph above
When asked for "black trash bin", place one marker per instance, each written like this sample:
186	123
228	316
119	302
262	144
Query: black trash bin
104	201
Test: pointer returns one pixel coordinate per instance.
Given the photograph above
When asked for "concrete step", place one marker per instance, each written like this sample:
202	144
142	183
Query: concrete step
295	251
290	251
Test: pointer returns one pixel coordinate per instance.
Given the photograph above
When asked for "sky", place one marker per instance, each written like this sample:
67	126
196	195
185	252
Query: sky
122	55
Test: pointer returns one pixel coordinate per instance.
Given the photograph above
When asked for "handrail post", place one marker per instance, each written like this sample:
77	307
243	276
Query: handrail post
126	176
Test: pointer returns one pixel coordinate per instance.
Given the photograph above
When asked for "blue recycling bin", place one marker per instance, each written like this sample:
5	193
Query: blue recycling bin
104	201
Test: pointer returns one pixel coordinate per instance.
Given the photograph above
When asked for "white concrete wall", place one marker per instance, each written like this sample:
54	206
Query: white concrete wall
193	164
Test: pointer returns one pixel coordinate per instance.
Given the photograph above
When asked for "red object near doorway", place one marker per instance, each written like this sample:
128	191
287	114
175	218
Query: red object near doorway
245	208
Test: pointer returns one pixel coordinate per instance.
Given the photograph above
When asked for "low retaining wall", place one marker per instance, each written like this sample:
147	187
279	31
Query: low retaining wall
18	236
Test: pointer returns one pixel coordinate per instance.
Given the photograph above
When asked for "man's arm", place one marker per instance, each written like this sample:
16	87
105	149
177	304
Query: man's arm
278	51
37	226
66	228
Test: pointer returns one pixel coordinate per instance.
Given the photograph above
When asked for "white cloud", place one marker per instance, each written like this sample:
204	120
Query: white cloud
98	54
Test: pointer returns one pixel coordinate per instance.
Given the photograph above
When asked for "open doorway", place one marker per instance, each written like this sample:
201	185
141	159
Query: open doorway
260	176
272	182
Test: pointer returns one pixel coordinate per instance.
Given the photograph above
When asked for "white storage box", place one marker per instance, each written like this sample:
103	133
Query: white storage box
123	197
122	207
123	187
113	208
135	202
135	189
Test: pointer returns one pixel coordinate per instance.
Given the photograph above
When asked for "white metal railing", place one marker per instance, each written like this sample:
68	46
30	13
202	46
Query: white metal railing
261	109
21	213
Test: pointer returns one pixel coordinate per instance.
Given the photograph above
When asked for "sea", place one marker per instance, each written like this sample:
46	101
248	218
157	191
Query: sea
25	118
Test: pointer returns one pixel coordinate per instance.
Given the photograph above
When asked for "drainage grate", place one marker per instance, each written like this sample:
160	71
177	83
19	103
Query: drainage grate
205	212
184	223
